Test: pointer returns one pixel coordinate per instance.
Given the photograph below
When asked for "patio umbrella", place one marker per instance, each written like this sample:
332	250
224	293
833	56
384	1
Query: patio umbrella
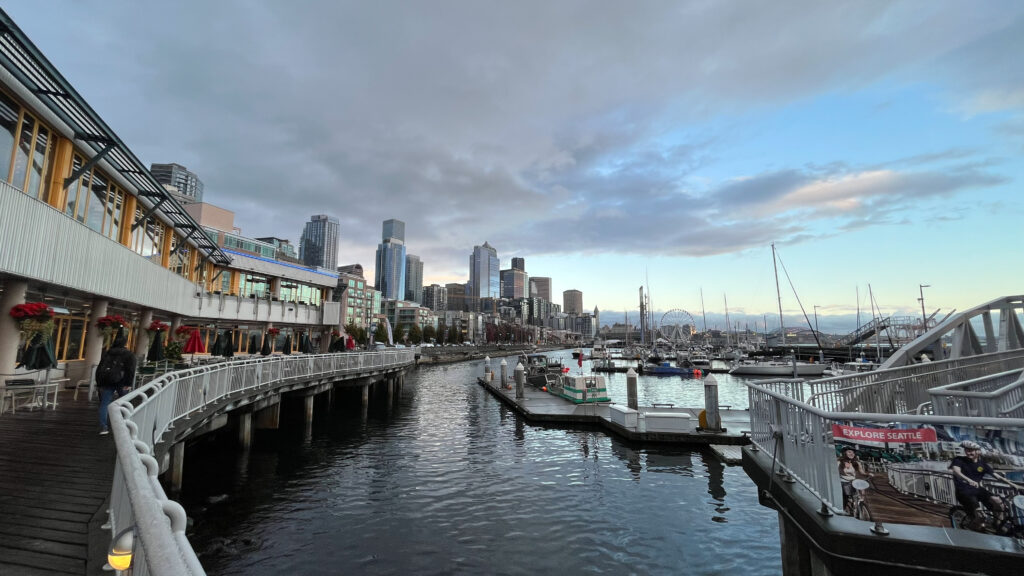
228	349
253	346
265	350
287	345
156	348
39	356
337	345
194	344
218	345
308	349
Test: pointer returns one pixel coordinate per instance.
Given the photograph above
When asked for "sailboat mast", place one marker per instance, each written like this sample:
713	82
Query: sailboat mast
878	336
775	266
702	313
858	308
727	324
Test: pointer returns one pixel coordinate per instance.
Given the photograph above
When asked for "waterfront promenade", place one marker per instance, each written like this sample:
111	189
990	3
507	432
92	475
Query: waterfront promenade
55	479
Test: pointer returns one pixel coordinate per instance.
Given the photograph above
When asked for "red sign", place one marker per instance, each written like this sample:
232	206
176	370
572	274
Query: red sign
884	434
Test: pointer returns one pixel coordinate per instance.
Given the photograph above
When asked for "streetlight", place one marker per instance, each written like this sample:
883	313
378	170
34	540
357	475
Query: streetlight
924	315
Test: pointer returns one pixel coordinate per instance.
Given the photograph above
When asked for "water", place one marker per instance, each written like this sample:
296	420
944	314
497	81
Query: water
449	481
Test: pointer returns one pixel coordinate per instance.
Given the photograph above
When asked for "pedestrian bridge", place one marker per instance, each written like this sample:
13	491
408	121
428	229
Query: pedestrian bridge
962	380
147	422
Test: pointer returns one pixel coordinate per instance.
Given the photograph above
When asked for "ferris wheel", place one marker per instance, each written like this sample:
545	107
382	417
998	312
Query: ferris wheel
676	324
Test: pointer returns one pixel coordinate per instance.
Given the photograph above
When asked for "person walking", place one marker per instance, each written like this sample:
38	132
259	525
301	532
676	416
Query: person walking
114	375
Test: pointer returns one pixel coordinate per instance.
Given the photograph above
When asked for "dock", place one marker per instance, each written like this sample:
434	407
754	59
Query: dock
664	423
55	479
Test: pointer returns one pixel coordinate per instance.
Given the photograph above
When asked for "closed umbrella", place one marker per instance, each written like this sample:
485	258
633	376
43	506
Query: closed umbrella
265	350
39	356
194	344
307	344
228	349
156	348
287	345
218	345
253	346
337	344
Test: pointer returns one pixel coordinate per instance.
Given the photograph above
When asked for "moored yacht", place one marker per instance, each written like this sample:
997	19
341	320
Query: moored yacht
777	367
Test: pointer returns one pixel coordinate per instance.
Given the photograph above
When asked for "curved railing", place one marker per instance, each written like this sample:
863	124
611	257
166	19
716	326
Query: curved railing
139	420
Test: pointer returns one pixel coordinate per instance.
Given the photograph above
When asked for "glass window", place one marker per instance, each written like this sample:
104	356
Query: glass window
28	125
8	128
37	185
72	194
114	208
98	202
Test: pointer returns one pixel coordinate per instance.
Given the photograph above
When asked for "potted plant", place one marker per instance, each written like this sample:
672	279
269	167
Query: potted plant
183	332
109	325
34	318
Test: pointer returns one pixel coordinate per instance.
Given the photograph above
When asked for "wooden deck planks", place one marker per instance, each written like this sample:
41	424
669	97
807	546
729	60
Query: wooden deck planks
55	476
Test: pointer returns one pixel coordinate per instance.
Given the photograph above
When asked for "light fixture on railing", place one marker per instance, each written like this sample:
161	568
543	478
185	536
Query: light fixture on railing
120	555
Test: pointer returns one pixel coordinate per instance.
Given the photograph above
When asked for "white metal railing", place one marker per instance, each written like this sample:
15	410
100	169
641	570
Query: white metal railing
799	434
903	389
1000	395
139	420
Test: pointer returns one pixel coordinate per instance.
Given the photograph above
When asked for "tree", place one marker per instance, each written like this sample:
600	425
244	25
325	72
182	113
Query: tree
442	333
381	334
351	329
400	333
429	333
454	336
360	336
415	334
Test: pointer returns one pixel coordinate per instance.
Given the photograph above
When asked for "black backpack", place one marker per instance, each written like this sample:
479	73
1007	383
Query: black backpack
111	370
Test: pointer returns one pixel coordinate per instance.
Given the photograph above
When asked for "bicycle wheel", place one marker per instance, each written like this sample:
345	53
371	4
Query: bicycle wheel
863	512
959	517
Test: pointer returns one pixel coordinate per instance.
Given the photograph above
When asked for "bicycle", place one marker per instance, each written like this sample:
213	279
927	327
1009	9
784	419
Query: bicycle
984	521
856	505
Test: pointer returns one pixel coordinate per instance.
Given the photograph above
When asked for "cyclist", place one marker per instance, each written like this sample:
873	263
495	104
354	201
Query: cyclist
849	467
968	472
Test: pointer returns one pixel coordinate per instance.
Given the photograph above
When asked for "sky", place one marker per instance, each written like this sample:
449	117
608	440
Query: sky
613	145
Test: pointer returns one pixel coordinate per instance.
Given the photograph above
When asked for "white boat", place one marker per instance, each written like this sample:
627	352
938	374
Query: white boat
699	359
777	367
599	351
855	367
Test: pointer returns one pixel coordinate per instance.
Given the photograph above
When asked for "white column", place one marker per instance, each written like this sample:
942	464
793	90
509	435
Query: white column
13	294
142	335
93	335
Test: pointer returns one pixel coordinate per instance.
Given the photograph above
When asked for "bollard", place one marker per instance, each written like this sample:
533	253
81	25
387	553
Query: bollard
520	376
631	389
504	374
487	368
714	420
794	363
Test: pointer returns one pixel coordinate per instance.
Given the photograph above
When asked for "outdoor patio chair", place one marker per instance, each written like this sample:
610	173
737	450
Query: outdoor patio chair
88	384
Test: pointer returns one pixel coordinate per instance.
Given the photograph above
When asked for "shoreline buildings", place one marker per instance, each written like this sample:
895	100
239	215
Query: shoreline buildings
390	261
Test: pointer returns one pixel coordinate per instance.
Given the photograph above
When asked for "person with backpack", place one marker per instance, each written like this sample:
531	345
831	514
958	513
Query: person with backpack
115	374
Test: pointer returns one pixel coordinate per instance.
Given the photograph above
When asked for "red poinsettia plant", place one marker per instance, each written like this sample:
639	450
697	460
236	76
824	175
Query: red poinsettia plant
111	321
273	331
34	318
335	334
158	326
184	331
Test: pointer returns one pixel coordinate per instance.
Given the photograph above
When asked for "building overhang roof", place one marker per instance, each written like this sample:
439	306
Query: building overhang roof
20	57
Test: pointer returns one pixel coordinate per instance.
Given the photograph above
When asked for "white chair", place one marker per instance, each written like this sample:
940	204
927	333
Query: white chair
89	383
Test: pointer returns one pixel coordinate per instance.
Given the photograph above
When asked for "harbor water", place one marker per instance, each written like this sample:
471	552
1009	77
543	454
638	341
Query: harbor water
446	480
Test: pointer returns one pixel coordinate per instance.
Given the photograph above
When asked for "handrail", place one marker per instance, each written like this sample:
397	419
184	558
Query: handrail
139	420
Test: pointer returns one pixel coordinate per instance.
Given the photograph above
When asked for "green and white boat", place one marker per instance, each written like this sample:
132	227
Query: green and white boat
580	389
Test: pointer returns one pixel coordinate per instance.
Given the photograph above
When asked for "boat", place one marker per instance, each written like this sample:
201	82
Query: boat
667	369
580	389
539	367
699	359
577	353
854	367
599	351
781	367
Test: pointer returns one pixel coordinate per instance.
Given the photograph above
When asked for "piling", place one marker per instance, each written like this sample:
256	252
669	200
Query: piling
631	400
520	376
245	430
487	368
504	373
711	415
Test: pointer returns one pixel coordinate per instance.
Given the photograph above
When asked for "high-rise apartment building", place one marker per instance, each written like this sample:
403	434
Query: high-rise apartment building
390	261
319	243
435	297
519	264
515	283
413	279
184	185
484	272
456	294
540	287
360	304
572	302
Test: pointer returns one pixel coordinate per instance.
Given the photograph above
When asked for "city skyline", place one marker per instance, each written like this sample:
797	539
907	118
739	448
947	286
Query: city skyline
880	148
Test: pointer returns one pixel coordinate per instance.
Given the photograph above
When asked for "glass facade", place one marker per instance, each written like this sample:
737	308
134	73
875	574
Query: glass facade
391	270
484	272
26	149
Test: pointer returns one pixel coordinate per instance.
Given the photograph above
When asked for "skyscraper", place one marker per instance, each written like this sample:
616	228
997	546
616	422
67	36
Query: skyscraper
187	186
515	283
519	264
390	262
572	302
413	279
319	243
540	287
484	273
435	297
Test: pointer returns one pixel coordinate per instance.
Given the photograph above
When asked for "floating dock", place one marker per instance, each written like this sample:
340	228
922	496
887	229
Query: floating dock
659	423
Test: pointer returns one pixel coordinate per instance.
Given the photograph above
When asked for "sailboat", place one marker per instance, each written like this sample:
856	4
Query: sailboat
786	366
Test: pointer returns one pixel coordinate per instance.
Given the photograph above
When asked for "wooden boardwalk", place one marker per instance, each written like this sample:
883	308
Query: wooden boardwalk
55	477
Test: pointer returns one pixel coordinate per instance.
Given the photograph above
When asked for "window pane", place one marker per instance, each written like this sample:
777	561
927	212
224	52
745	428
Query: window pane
35	175
114	212
74	349
73	189
8	124
98	202
28	125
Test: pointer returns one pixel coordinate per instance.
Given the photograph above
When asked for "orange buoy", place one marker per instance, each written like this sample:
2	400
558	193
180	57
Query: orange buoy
544	388
696	373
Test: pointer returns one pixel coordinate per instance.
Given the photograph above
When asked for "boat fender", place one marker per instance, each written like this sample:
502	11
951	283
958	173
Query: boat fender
702	419
544	388
696	373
